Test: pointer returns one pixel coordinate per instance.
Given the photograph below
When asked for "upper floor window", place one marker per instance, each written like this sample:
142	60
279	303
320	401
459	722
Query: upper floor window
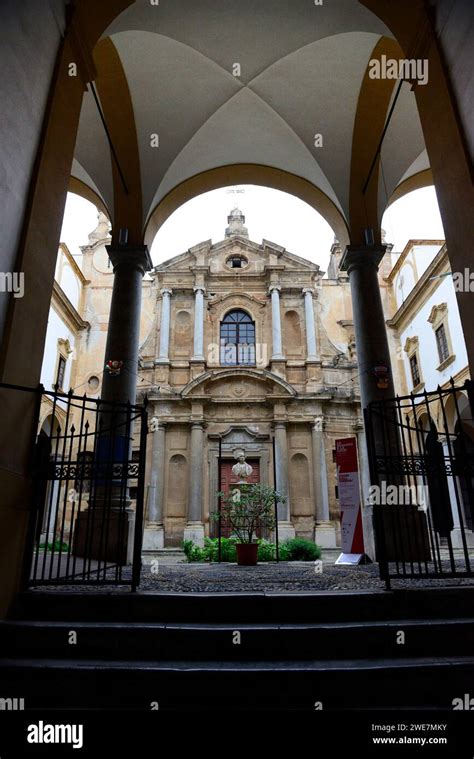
237	339
61	371
415	370
438	319
442	343
412	349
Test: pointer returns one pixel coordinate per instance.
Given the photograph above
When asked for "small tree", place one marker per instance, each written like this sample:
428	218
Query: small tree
253	506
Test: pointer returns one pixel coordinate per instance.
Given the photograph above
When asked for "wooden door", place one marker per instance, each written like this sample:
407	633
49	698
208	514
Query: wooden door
228	479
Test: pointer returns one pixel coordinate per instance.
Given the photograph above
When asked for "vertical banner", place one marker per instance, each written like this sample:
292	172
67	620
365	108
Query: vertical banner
352	539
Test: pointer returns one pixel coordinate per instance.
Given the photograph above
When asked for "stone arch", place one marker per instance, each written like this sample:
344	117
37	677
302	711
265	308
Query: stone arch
49	425
248	173
415	182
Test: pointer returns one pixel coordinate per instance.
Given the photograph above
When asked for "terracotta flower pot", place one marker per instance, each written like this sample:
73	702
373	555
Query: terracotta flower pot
247	554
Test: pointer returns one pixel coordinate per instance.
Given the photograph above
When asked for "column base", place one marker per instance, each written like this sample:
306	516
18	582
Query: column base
368	530
153	537
278	366
286	531
456	538
105	534
197	366
194	531
325	535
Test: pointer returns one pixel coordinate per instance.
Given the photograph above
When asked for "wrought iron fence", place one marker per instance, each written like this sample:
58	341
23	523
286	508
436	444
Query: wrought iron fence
421	457
86	516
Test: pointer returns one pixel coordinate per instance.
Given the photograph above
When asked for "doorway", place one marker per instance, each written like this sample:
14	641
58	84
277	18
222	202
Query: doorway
228	479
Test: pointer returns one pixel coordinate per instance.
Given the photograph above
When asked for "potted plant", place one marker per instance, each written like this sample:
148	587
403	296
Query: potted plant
245	509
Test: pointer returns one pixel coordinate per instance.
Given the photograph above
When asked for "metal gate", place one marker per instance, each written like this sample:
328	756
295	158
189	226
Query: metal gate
86	518
421	458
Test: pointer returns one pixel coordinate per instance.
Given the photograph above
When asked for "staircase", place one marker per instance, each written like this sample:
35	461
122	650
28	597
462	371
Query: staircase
239	651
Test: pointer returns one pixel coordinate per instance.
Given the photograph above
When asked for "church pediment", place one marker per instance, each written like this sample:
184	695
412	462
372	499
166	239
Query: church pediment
238	384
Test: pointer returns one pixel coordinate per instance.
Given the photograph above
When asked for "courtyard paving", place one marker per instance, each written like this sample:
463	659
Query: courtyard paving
171	573
272	577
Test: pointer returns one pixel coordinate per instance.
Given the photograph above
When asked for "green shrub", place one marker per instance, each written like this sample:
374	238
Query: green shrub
228	551
267	551
210	552
57	546
193	552
300	549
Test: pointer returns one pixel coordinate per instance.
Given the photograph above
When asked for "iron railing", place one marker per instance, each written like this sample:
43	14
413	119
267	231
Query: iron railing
421	458
87	471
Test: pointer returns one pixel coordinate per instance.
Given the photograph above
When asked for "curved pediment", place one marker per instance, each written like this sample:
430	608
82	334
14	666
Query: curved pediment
236	382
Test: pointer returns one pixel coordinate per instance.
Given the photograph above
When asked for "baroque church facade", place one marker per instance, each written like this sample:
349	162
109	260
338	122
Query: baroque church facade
244	347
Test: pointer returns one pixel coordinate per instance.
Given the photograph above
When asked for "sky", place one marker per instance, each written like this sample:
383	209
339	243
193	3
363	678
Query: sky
270	214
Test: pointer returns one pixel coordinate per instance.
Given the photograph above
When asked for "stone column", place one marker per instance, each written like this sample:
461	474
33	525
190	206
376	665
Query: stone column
311	348
277	351
361	263
153	538
165	325
194	529
129	264
285	526
325	531
364	480
199	293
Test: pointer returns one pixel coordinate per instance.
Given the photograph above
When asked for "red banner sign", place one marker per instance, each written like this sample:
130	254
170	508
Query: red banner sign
352	539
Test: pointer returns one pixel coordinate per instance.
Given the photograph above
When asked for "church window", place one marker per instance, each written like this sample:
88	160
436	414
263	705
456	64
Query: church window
237	339
236	262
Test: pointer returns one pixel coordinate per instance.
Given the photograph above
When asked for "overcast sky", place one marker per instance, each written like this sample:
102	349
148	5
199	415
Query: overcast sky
270	214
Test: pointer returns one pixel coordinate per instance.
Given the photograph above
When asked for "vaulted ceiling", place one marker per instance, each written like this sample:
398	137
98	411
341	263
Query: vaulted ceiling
168	70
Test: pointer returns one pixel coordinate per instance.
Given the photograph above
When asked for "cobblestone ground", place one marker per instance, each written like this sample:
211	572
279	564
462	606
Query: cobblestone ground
273	577
283	577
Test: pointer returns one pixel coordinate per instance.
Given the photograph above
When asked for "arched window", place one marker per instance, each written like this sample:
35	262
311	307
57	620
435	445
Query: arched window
237	339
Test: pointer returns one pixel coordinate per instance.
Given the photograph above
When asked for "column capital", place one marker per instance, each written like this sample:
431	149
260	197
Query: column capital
318	424
199	289
280	424
166	291
274	287
130	257
308	291
361	256
358	424
198	424
156	425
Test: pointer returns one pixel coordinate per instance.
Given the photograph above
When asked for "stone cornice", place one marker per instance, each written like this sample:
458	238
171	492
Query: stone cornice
423	290
212	304
66	310
233	373
72	261
405	252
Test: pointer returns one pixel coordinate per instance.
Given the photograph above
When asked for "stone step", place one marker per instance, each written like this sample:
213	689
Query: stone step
268	642
203	685
323	606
